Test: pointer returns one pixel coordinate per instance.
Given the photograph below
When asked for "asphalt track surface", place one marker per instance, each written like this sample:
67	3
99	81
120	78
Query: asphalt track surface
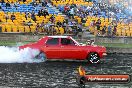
58	74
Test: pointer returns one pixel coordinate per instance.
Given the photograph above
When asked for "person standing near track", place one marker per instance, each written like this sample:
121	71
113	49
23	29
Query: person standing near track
82	79
98	23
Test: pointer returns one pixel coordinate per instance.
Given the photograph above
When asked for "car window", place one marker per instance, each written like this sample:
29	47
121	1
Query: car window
53	41
66	41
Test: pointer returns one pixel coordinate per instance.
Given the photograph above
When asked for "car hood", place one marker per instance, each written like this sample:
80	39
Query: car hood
93	47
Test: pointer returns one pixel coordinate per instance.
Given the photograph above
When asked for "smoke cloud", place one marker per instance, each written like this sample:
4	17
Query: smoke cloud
14	55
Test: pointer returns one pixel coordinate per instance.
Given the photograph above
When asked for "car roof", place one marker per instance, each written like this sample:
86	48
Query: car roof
59	36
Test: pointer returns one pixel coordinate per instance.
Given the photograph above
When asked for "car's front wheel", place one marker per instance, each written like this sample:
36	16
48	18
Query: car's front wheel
93	58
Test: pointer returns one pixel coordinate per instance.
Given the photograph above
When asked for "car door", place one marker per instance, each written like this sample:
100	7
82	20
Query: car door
52	48
69	50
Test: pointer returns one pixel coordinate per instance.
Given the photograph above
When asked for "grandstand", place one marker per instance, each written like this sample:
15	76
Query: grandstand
98	18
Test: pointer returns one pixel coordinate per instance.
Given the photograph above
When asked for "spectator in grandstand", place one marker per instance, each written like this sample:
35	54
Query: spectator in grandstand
16	4
66	9
53	30
71	15
96	13
44	3
29	23
6	16
40	13
64	23
83	20
90	13
74	22
84	15
66	28
69	30
57	30
80	8
27	15
104	30
114	23
111	14
98	23
45	13
52	18
88	8
75	31
24	1
34	3
75	9
0	20
66	20
42	26
129	19
59	24
33	16
13	17
2	1
0	7
47	27
92	26
70	23
93	23
80	32
37	29
56	0
8	4
61	30
24	23
114	31
109	29
72	6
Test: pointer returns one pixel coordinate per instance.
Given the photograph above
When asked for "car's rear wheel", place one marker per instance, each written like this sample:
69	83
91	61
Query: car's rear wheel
41	56
93	58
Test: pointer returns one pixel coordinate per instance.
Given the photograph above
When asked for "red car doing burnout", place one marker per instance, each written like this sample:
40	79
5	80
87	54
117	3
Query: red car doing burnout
66	48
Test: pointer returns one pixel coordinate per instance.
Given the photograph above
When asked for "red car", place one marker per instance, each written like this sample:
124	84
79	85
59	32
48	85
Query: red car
65	47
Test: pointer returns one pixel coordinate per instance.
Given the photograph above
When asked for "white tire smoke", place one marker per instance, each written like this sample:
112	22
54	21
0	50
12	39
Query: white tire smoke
14	55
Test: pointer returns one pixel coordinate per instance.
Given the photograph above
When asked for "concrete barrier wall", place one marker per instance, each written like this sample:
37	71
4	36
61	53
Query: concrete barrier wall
29	38
126	40
119	50
20	37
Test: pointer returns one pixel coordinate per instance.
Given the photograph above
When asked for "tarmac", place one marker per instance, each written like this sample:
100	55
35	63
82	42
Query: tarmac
62	74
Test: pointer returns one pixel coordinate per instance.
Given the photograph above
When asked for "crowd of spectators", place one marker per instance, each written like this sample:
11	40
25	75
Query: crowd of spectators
98	10
70	25
52	27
